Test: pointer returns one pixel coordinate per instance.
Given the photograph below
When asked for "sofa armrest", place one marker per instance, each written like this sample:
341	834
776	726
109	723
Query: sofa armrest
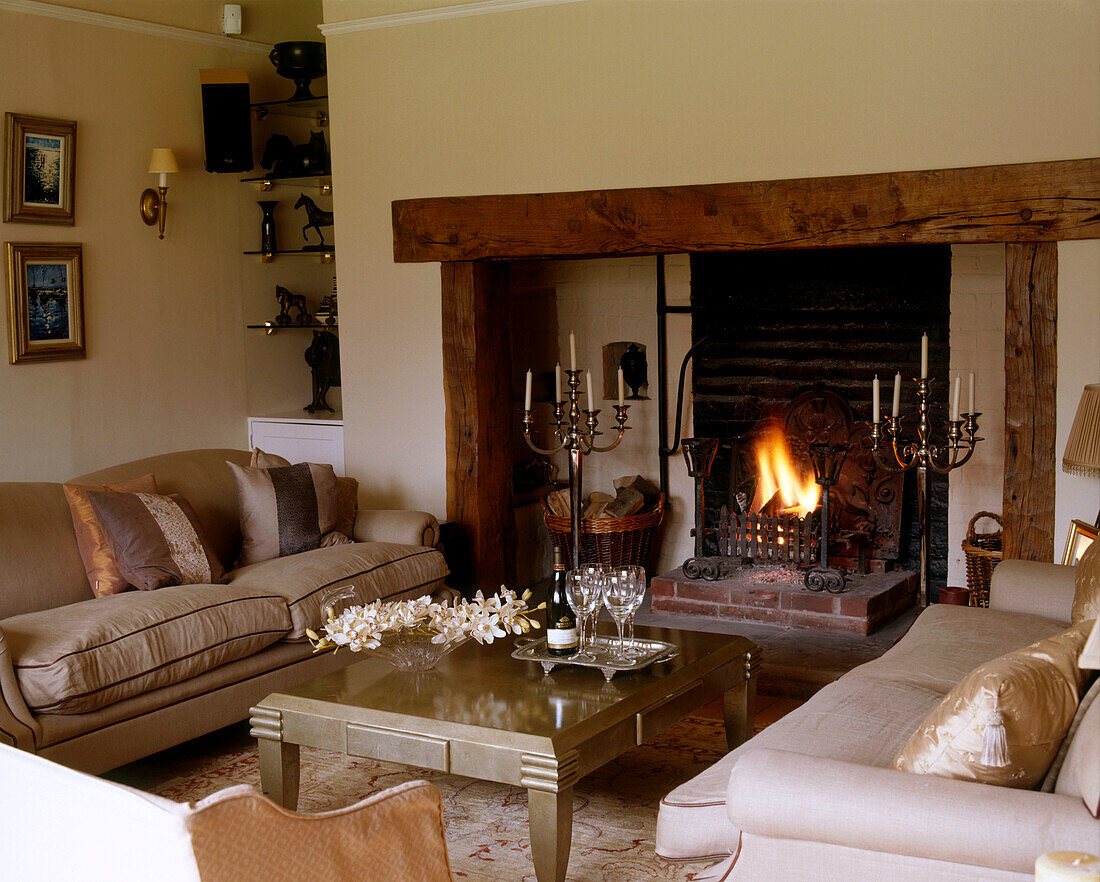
785	795
402	527
17	725
1028	586
395	834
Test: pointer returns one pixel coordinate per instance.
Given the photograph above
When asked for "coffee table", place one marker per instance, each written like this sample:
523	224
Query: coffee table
485	715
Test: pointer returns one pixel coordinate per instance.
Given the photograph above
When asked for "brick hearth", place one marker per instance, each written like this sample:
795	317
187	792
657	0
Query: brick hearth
869	603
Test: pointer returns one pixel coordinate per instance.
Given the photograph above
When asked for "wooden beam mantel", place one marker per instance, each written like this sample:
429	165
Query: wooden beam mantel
1030	202
1028	206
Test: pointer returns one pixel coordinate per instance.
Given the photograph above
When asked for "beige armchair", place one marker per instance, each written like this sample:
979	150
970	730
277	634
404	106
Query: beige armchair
57	823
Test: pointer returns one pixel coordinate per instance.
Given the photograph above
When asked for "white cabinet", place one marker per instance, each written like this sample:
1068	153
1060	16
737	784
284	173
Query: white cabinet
300	438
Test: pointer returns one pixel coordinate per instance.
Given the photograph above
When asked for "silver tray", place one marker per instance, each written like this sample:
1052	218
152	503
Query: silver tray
656	651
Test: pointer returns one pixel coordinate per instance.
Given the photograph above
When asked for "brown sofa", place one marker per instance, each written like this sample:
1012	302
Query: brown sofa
97	682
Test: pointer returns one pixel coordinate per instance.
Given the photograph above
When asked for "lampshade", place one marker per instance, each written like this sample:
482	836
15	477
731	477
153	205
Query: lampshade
1082	456
163	161
1090	654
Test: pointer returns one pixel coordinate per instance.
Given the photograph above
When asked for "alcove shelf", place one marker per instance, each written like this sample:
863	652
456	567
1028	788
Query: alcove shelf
323	182
272	327
315	108
325	256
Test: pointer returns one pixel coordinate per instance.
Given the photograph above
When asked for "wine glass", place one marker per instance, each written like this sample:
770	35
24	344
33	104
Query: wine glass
635	575
619	592
583	596
594	574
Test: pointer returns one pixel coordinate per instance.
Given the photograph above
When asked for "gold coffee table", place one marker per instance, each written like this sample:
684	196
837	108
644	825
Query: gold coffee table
485	715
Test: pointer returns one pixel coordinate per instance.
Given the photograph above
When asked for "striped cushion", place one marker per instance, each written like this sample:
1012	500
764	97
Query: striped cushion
157	540
284	510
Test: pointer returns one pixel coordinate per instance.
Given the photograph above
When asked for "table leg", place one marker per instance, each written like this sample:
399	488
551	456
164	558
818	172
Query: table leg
278	758
739	708
550	816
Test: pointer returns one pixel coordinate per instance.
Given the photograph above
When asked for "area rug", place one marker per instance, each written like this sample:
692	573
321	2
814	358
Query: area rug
614	808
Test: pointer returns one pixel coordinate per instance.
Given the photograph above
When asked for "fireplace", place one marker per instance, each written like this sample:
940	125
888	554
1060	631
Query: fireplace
1030	206
796	337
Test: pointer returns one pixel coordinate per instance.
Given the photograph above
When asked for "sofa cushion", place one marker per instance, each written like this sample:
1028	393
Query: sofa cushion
1086	593
860	721
347	490
84	656
284	510
1080	772
1033	690
375	569
157	540
95	549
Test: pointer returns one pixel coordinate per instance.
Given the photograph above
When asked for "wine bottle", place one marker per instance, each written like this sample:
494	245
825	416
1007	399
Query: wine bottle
561	621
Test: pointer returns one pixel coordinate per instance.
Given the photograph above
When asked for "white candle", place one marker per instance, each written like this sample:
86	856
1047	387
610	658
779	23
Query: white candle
527	394
955	401
572	352
971	410
591	399
897	394
621	387
557	383
874	401
924	357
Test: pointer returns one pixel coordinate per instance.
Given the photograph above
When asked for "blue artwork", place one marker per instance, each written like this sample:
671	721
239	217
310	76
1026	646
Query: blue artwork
42	170
48	301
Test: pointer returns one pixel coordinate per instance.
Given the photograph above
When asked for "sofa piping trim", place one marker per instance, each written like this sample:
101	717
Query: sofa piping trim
365	572
162	707
45	708
29	667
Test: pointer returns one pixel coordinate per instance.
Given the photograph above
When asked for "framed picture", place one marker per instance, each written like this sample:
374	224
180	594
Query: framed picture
45	301
39	169
1081	535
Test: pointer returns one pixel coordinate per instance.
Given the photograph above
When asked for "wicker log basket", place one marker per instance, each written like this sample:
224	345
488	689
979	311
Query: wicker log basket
612	541
983	553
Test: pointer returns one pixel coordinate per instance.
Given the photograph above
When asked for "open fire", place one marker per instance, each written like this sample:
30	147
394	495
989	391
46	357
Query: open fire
780	488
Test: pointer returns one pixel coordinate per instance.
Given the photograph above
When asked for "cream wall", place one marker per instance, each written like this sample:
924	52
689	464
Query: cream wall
608	93
166	366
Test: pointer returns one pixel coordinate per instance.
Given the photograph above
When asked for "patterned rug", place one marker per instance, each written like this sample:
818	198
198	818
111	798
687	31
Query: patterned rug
614	808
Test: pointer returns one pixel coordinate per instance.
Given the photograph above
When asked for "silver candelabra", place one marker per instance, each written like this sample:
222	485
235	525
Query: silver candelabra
576	431
926	457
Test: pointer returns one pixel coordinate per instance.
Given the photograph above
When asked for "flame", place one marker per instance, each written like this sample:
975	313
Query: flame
776	474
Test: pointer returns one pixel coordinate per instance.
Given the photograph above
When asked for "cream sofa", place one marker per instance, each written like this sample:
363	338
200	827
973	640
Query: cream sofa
813	797
61	824
168	665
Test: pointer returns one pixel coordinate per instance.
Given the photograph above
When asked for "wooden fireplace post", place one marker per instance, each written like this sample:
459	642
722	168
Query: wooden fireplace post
481	420
1031	386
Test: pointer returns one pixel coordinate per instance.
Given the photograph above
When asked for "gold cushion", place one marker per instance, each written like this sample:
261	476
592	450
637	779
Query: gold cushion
95	550
1035	690
1086	595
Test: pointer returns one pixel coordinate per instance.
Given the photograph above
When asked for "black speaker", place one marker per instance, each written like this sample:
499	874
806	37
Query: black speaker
226	120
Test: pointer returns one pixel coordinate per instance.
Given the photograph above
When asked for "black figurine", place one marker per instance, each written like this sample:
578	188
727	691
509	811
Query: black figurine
316	218
323	358
289	301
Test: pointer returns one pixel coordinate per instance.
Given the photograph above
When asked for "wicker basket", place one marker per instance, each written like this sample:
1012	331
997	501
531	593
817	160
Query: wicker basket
983	553
612	541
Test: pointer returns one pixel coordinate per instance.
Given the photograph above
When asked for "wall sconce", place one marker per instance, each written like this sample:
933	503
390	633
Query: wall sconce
154	203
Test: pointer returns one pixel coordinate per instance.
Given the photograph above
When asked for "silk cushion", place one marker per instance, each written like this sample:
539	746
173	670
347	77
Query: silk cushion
347	494
1086	594
1035	690
284	510
84	656
95	549
157	540
1080	773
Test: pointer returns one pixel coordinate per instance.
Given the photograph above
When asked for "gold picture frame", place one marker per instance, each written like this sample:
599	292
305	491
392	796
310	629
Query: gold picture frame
45	301
39	170
1081	535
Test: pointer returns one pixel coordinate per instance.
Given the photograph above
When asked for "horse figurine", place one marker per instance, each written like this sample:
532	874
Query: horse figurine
317	218
289	301
286	159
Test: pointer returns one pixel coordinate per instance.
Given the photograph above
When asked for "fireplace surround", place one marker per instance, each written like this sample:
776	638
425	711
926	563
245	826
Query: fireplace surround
1029	207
